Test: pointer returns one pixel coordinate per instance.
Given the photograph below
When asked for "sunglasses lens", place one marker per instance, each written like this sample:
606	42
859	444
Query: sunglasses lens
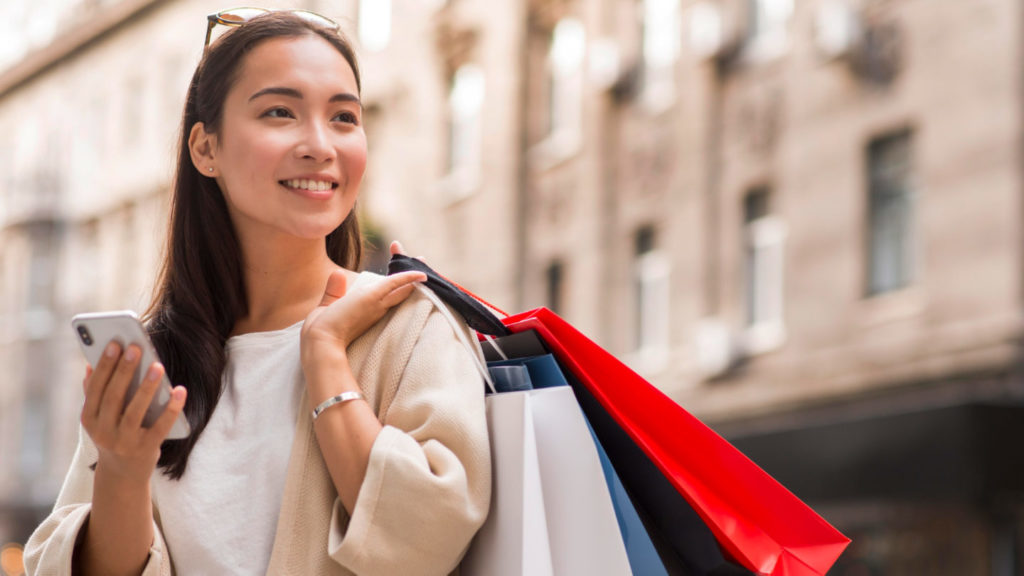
240	15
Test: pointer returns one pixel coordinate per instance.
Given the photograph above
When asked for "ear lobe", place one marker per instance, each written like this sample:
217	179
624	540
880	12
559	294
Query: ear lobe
201	146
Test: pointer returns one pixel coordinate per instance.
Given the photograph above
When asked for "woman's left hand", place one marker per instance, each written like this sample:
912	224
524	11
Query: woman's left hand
343	315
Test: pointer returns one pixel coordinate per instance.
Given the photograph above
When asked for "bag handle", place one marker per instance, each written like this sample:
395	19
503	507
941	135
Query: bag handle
461	335
477	315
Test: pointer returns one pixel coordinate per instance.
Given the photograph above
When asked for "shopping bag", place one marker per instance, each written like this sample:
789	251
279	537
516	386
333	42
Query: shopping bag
684	543
582	527
653	441
755	519
539	372
542	451
551	512
514	539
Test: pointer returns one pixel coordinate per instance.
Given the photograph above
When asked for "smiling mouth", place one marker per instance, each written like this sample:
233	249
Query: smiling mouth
312	185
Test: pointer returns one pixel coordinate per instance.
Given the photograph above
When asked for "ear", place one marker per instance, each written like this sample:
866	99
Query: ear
202	146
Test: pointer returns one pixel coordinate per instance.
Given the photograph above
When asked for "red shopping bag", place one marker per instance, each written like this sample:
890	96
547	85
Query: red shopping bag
755	519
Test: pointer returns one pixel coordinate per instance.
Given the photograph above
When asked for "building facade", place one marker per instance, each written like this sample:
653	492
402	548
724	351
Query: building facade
801	219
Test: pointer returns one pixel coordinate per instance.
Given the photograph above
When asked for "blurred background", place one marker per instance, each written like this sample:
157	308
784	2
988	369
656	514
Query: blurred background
801	219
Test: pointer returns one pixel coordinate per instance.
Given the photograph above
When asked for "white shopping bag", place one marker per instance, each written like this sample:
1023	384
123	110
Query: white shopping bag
514	540
551	512
582	528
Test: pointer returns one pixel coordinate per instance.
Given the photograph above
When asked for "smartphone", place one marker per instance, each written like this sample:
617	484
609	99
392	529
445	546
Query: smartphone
96	330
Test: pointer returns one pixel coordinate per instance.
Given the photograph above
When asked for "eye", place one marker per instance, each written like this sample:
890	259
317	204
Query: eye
347	117
277	112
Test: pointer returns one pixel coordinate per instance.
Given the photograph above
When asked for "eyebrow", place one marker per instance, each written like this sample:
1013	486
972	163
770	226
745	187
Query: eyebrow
293	93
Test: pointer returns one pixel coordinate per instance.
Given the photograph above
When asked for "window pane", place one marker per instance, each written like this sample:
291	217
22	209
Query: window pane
769	17
568	45
555	278
661	32
890	213
465	104
33	437
651	289
755	206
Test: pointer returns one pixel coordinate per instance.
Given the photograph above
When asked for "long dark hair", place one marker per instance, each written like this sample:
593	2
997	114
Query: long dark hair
200	292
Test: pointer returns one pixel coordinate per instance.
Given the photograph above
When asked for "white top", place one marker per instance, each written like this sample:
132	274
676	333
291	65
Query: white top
221	517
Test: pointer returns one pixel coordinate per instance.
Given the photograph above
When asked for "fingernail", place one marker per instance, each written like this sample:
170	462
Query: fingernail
111	350
178	393
153	373
132	354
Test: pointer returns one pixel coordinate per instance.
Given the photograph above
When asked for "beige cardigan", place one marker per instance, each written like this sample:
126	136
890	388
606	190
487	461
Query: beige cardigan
427	487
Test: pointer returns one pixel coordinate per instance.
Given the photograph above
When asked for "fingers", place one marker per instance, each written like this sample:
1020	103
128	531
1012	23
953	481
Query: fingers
139	405
397	287
396	281
97	381
336	287
85	381
397	248
162	427
112	403
398	295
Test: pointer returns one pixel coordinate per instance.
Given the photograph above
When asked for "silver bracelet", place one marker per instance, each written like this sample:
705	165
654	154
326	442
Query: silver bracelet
339	399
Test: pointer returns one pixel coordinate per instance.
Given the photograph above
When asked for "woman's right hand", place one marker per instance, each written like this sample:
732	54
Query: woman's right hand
126	449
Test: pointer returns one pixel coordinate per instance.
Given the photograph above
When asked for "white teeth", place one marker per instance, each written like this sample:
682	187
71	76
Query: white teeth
317	185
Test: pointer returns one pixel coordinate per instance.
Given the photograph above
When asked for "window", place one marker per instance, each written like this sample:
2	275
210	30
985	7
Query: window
173	78
374	24
661	45
132	116
768	21
764	239
565	64
34	444
556	286
651	289
39	320
465	132
890	214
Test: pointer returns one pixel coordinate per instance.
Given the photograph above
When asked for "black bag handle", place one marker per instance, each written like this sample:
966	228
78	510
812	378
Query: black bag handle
476	315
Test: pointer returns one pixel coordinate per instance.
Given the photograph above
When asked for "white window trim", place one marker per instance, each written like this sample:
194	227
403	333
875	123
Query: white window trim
651	358
558	148
567	70
659	91
374	24
764	335
770	44
466	110
458	185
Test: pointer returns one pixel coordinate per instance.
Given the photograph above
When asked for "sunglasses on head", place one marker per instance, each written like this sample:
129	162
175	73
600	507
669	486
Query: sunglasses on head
239	16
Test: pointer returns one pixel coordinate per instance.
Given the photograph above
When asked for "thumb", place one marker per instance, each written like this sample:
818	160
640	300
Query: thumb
336	286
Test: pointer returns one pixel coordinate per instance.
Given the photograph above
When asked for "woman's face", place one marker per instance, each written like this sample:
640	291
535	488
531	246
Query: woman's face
291	151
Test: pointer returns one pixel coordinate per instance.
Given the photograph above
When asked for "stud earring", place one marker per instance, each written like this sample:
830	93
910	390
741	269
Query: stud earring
210	168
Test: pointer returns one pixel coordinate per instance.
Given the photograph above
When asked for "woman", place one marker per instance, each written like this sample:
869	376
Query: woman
260	319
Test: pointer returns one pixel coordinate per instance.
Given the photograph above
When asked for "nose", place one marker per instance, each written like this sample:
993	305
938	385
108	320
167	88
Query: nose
315	143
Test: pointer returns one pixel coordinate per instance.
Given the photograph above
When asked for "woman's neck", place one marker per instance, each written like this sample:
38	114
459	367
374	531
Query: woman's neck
284	281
